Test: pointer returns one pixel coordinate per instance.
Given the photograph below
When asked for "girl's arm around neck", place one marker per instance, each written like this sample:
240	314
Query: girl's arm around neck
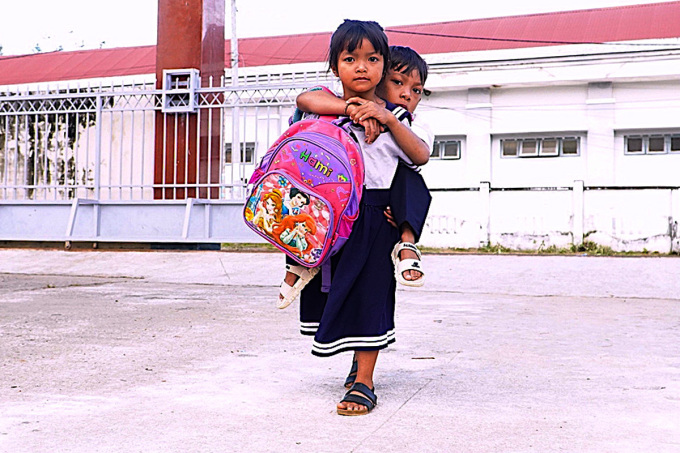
415	148
322	102
408	141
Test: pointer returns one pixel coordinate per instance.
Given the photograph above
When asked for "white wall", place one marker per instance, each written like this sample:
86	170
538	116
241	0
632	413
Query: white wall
482	105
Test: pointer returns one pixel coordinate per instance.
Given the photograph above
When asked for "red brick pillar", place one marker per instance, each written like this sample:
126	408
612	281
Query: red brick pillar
190	35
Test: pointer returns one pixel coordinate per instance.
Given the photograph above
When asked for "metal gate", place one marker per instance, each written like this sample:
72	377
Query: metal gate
107	163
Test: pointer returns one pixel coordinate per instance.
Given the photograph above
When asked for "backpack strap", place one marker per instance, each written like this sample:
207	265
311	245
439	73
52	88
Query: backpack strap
326	276
299	115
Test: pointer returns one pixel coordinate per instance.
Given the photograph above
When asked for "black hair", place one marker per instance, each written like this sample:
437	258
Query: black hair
348	36
294	191
404	59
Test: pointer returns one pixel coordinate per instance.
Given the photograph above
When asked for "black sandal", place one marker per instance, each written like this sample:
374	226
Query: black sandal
352	376
365	397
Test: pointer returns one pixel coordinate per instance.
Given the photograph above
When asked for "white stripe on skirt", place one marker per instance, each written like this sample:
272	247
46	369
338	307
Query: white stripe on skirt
353	342
309	327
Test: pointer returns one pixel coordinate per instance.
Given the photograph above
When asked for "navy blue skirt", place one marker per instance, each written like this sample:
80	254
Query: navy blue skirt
358	311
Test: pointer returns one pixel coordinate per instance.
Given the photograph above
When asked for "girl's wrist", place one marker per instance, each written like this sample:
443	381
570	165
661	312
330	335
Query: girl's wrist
347	107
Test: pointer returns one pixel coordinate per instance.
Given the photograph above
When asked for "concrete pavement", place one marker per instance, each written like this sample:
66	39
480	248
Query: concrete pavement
185	352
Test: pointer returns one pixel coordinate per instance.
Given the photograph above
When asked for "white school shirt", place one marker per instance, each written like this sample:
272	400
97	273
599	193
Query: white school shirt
381	158
423	132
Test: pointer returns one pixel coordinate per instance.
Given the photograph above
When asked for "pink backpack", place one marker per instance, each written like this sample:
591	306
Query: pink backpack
306	190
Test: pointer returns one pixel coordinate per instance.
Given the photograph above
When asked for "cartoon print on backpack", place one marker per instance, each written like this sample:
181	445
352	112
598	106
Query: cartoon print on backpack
295	221
295	201
251	205
295	233
269	212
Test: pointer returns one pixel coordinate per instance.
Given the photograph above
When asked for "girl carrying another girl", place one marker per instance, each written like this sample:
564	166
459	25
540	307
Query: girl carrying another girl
357	314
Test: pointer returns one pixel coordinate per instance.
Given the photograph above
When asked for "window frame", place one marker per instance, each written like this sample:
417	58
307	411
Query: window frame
645	144
514	153
438	151
570	138
670	143
531	151
537	149
542	152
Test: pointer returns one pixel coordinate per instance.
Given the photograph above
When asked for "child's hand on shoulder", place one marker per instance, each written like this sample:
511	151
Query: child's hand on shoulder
368	109
370	115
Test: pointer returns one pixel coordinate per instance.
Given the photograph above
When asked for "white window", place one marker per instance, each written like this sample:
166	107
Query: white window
540	147
569	146
529	147
446	148
247	153
657	144
634	145
509	148
675	144
550	147
652	144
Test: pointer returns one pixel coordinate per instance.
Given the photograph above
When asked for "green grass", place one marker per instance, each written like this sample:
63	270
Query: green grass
589	248
246	247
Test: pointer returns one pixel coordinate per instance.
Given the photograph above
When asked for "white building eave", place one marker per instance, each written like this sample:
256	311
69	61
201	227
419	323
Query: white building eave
555	65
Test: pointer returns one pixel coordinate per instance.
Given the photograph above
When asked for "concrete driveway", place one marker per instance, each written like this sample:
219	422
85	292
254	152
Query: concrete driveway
185	352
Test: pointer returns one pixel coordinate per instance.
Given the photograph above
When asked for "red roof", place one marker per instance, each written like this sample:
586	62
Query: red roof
623	23
82	64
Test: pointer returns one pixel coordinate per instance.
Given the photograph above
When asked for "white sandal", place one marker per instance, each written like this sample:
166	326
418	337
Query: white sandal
409	264
289	293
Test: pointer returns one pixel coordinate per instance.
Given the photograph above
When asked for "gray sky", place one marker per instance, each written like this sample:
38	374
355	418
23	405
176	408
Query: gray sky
89	24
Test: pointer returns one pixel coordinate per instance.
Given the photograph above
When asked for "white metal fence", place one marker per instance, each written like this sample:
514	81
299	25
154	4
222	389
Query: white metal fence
83	162
92	164
99	142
